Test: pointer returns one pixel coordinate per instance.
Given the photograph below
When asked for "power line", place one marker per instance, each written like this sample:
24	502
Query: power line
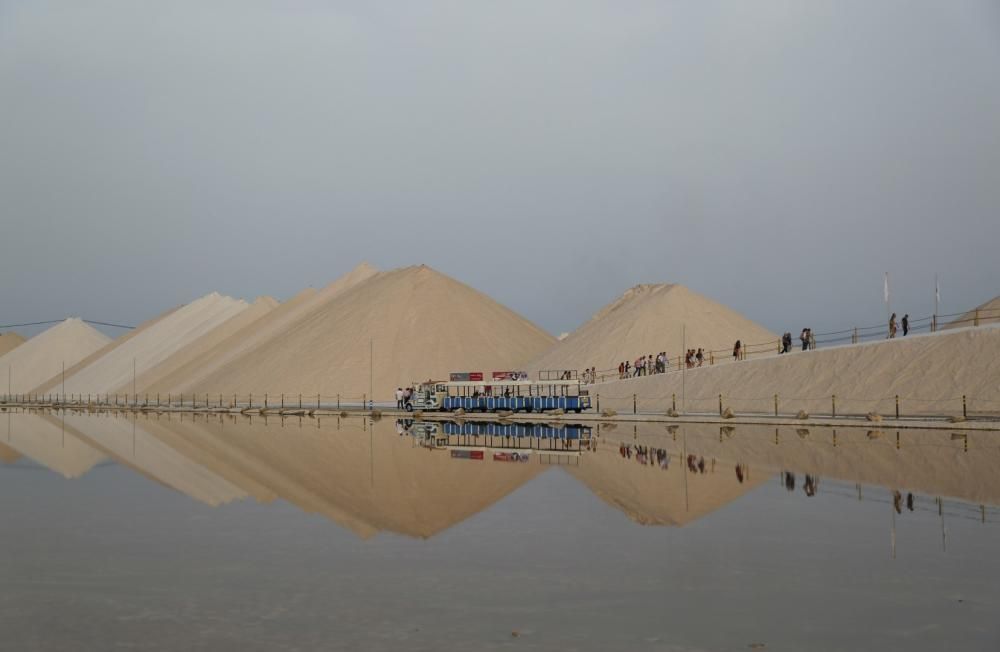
56	321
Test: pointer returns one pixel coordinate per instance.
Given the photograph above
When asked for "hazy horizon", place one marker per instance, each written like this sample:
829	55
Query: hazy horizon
777	157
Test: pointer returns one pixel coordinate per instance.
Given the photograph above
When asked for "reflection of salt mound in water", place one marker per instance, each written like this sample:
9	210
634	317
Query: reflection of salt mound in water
927	461
648	319
44	440
987	313
8	455
10	341
418	322
154	345
652	495
43	356
197	375
368	481
130	445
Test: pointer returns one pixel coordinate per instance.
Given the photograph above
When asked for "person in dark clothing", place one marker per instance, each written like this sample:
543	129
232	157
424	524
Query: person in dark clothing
906	324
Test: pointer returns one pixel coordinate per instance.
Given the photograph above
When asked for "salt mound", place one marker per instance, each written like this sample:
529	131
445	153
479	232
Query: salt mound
154	345
989	313
197	349
54	384
648	319
10	341
422	323
191	374
930	373
43	356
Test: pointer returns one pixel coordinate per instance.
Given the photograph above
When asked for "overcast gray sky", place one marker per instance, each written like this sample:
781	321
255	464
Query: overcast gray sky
777	156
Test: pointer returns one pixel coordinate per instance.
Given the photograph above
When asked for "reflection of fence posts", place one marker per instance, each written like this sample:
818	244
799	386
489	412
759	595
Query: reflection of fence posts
833	405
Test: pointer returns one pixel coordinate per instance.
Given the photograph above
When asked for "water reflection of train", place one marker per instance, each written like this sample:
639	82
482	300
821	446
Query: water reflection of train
506	391
508	441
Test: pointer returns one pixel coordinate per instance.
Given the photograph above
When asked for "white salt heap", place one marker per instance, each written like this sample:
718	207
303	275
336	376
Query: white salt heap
42	357
648	319
154	345
190	375
417	322
197	349
987	313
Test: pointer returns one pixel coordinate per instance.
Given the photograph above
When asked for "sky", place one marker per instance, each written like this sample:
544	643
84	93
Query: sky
777	156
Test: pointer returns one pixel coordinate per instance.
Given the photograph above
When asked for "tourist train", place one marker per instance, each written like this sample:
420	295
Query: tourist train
506	390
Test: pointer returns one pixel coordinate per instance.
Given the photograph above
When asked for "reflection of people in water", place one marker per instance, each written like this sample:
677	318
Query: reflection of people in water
789	479
810	485
897	501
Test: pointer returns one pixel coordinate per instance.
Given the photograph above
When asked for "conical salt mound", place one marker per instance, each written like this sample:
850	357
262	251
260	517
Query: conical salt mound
190	375
197	349
43	356
988	313
155	344
406	325
10	341
648	319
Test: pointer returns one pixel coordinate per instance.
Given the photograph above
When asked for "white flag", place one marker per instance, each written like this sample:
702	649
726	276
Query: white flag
885	290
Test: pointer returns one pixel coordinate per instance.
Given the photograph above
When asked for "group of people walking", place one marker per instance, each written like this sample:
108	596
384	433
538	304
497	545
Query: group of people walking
647	365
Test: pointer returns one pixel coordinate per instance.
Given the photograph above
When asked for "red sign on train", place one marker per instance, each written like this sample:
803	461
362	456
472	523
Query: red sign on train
466	376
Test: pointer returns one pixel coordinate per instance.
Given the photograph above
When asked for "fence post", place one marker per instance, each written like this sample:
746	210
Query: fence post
364	401
265	400
317	401
338	402
300	401
775	405
833	403
720	405
934	323
965	412
897	406
598	402
635	409
976	322
673	402
282	401
854	336
250	399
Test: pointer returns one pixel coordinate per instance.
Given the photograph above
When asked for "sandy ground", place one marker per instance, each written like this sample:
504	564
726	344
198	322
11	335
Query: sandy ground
43	356
648	319
929	372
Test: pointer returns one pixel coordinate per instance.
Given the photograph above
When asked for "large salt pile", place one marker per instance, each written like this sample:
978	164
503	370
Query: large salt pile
10	341
197	349
648	319
154	345
54	384
987	313
406	325
43	356
273	325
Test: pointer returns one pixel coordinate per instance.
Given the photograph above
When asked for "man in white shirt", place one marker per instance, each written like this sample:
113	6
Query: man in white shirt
399	398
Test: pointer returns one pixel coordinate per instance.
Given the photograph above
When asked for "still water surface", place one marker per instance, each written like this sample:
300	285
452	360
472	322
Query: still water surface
221	533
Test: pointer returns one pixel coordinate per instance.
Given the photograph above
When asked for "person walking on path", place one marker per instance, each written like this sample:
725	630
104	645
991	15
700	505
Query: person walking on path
399	398
700	356
805	339
906	325
892	326
812	339
737	350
